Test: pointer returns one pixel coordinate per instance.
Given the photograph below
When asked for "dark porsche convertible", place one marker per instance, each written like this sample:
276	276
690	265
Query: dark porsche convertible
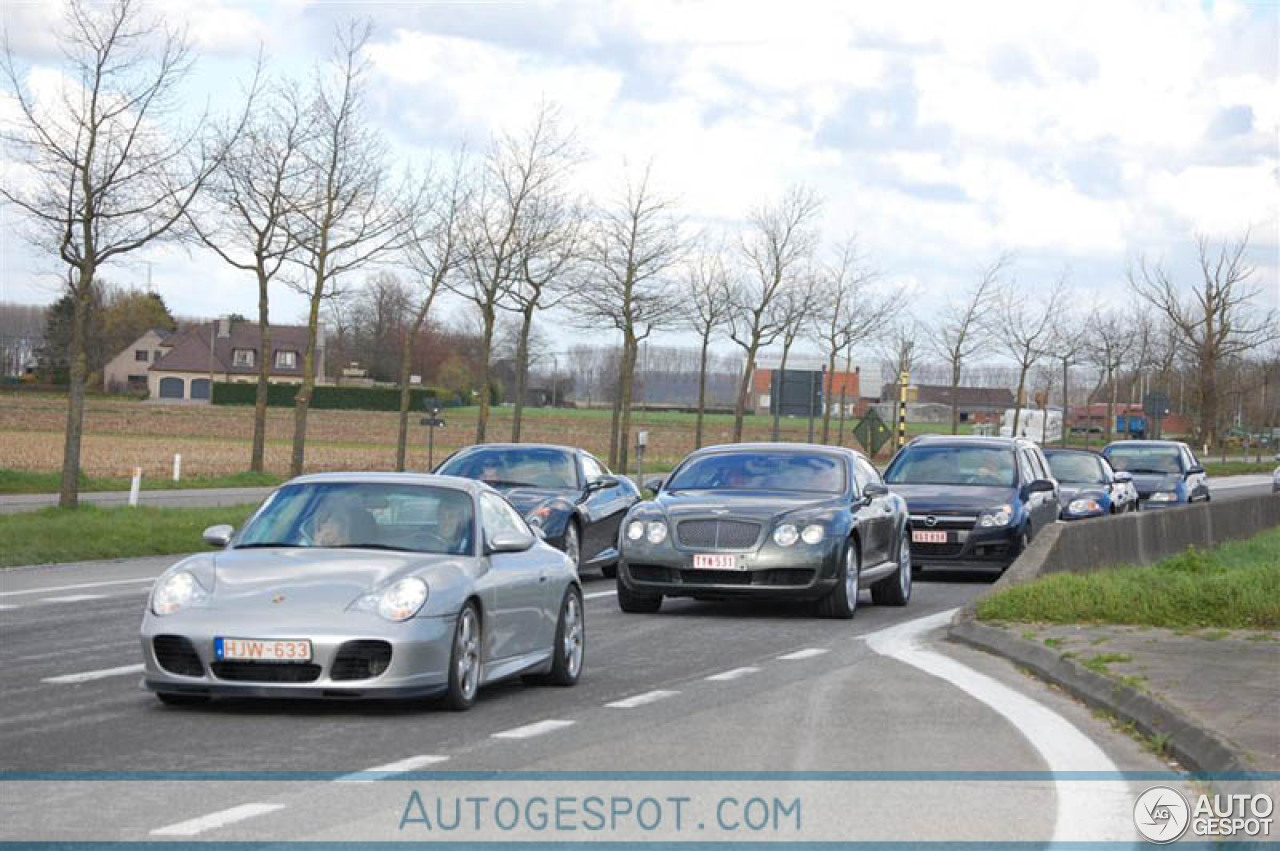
781	521
565	493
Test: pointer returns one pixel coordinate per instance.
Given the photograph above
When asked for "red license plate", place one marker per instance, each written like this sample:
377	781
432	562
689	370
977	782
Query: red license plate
716	561
924	536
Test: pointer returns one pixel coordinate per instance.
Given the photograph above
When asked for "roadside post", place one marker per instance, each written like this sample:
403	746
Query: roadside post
432	423
134	486
1156	407
177	467
642	444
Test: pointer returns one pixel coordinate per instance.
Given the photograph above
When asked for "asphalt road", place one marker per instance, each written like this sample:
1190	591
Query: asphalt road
699	687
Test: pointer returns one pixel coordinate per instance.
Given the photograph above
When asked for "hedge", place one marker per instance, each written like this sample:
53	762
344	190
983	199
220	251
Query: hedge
333	398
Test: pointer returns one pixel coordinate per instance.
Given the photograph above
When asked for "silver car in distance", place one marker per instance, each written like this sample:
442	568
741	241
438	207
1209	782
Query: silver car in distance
366	585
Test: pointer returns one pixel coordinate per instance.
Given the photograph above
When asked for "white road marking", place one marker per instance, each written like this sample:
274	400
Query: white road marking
536	729
807	653
378	772
72	598
735	673
641	699
6	607
75	587
1086	811
599	594
223	818
69	679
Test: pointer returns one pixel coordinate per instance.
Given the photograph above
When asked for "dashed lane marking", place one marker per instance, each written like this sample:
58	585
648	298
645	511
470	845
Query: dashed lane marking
538	728
87	676
733	674
78	587
222	818
378	772
641	699
807	653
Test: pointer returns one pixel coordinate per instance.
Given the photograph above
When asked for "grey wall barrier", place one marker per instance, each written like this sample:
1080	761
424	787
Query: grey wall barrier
1141	538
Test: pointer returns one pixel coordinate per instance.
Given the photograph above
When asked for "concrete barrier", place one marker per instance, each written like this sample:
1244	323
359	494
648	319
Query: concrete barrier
1141	538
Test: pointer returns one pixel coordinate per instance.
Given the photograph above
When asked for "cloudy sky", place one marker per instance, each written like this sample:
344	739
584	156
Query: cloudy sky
1078	136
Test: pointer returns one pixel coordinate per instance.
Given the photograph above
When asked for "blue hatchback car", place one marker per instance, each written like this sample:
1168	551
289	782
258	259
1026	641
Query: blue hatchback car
1088	487
1165	472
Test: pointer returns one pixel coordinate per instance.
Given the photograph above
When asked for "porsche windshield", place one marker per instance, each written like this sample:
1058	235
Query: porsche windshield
979	466
761	471
1076	469
534	467
383	516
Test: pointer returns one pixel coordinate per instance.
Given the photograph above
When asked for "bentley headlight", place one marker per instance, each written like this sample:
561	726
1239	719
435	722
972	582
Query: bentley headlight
785	535
656	531
1164	496
402	600
998	516
813	533
176	591
1083	506
635	530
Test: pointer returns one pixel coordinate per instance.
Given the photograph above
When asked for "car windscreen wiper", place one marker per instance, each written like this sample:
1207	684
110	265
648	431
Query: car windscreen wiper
376	547
257	545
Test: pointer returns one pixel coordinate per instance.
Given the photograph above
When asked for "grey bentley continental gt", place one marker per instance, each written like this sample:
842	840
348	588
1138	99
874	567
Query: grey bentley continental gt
366	585
776	520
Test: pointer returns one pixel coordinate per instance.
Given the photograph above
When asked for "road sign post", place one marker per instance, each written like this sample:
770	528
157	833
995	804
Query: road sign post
904	379
432	423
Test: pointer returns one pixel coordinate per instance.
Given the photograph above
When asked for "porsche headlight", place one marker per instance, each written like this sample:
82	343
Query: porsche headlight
785	535
656	531
402	600
813	533
176	591
1084	506
998	516
635	530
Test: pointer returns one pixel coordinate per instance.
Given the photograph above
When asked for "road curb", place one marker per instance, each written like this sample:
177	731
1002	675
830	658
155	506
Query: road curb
1190	742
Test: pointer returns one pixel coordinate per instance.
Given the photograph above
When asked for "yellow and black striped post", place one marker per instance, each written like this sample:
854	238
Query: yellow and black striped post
904	378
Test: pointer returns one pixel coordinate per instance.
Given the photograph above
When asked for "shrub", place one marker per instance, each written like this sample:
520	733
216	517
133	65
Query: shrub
326	397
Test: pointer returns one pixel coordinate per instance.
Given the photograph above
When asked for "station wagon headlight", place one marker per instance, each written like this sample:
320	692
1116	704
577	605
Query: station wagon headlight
635	530
656	532
402	600
786	535
1164	496
998	516
176	591
1083	506
813	533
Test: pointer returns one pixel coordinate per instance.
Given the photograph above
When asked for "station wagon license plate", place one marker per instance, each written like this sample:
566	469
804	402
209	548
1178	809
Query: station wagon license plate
262	649
717	561
925	536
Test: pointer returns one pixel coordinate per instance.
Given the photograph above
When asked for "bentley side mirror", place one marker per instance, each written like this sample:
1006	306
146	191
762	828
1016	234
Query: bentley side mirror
654	483
602	483
219	536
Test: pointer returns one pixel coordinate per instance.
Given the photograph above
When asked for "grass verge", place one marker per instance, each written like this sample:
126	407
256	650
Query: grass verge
88	532
1235	586
26	481
1239	468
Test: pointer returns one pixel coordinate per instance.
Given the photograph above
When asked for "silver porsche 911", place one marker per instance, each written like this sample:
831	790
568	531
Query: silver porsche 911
366	585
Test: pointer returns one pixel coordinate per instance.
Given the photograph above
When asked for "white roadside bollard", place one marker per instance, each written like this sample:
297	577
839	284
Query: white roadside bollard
177	467
135	486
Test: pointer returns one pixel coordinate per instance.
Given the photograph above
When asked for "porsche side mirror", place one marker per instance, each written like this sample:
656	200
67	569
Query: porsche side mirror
219	536
510	542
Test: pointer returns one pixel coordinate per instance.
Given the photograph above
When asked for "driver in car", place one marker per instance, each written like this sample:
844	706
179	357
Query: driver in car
453	525
339	522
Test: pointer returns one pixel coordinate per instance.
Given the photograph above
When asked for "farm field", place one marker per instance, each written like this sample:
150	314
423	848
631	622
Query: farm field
121	434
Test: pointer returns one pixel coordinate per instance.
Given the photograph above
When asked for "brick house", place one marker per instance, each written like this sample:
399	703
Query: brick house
128	369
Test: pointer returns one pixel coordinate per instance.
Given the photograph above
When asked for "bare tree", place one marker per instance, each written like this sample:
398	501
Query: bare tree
1068	346
900	351
1024	329
349	214
107	169
710	295
434	253
1113	341
244	220
1216	319
781	238
961	333
519	170
795	306
634	243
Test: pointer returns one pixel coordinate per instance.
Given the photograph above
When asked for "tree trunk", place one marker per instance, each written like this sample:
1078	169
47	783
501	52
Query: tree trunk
257	455
486	346
848	364
1017	398
702	392
302	402
1066	404
1208	400
78	373
744	389
522	372
1110	430
776	404
406	366
826	396
626	385
614	419
955	402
